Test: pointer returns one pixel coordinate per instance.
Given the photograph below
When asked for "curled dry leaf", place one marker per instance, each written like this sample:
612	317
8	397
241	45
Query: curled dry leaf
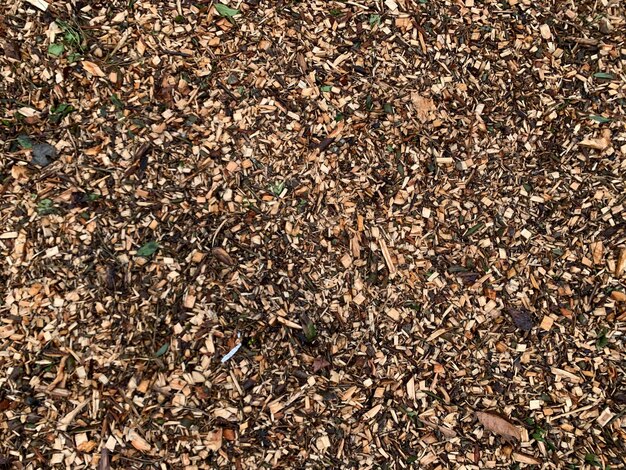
222	256
424	107
496	424
93	69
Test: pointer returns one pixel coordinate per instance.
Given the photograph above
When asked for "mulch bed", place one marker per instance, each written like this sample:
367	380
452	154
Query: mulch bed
322	234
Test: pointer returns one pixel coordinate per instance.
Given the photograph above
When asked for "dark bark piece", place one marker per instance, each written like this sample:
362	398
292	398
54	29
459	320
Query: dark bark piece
325	143
43	154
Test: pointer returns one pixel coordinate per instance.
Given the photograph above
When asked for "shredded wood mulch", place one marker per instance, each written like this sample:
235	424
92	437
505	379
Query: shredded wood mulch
323	234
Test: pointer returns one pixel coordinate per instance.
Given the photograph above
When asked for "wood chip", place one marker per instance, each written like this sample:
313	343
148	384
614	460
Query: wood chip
138	442
545	31
528	459
620	266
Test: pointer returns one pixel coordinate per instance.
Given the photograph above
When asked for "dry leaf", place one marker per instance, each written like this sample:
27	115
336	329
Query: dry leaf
320	363
12	50
19	172
621	263
599	143
222	256
521	317
93	69
138	442
214	440
424	107
498	425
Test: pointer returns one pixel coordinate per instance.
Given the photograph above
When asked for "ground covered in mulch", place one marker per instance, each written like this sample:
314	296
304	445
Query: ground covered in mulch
321	234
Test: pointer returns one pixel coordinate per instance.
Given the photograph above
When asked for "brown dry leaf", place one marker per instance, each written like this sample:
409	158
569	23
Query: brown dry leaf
19	172
222	256
320	363
12	50
93	69
424	107
138	442
498	425
599	143
521	317
214	440
621	263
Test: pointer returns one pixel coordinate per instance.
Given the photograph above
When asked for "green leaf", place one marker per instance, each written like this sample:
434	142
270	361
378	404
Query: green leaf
73	57
117	102
600	119
24	141
592	459
310	332
374	20
602	340
326	88
388	108
225	11
45	207
148	249
62	110
55	50
162	350
474	229
606	75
